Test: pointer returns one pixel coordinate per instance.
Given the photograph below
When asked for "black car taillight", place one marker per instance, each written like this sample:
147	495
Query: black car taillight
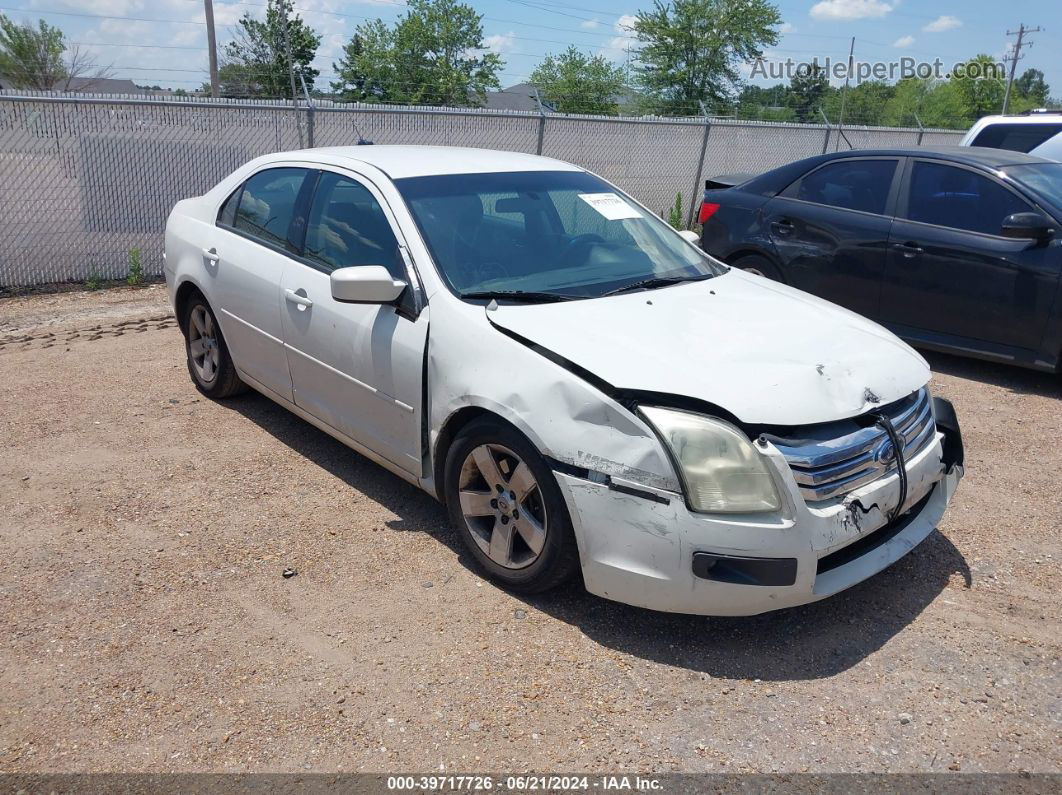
708	209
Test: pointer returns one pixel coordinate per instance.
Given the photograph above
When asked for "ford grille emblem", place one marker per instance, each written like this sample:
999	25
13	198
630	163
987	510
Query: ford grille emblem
885	453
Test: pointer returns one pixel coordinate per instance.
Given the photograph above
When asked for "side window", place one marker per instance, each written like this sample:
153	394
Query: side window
267	204
347	227
961	199
227	213
851	184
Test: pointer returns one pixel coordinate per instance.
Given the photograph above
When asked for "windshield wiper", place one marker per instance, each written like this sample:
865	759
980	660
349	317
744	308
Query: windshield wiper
655	281
520	295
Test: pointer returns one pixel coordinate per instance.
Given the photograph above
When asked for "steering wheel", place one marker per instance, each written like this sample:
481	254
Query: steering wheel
576	244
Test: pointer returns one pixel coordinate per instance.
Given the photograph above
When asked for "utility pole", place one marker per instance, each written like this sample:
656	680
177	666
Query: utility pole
282	7
1015	56
212	46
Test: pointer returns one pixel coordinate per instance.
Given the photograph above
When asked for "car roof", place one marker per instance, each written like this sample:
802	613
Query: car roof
399	162
969	155
1035	117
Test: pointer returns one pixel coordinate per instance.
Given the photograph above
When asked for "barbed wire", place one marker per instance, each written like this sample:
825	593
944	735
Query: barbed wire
903	123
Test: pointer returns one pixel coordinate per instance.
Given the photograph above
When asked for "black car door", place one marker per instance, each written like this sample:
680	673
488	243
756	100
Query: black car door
951	272
830	229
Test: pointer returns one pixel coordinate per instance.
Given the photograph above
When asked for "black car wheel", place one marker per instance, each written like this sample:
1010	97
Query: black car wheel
760	266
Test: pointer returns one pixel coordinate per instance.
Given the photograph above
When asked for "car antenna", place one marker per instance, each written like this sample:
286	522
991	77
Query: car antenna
362	141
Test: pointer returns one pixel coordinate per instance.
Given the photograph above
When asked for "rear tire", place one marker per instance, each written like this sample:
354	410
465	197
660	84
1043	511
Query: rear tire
759	266
209	362
504	500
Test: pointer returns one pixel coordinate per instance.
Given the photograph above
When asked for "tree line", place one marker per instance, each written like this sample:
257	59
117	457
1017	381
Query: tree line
687	59
929	102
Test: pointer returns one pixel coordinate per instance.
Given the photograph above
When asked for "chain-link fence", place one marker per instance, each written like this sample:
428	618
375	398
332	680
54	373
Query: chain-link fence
85	181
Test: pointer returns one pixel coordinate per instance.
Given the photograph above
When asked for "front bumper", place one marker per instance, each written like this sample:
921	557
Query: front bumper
660	555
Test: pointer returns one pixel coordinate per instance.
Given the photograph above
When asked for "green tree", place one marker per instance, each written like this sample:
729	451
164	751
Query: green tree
1032	86
981	95
39	58
31	57
934	103
865	103
576	83
808	89
256	61
690	50
764	104
434	55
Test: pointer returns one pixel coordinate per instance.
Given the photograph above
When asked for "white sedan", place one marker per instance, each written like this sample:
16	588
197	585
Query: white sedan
583	388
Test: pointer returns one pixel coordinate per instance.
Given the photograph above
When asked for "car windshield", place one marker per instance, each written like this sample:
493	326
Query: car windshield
533	235
1044	179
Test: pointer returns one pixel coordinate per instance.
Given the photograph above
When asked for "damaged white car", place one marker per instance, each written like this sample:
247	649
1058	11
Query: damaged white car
582	386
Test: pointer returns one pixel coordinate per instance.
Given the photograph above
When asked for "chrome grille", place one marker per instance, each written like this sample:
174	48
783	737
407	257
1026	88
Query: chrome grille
836	458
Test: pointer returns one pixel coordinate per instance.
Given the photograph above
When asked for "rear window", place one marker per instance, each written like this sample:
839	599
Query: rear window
1016	137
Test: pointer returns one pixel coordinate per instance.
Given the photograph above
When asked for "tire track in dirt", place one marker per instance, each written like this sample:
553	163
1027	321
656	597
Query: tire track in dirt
21	342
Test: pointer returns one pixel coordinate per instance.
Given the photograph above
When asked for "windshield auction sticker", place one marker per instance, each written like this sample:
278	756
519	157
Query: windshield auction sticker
610	205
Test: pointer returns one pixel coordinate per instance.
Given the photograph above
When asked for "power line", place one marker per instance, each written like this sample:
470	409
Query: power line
311	11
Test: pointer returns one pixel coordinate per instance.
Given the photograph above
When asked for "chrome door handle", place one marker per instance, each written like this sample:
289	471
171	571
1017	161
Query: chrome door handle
295	298
211	255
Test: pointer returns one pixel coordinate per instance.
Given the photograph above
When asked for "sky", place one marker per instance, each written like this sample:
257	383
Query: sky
164	41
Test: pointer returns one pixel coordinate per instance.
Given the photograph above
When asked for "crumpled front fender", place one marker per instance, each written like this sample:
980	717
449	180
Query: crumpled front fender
472	364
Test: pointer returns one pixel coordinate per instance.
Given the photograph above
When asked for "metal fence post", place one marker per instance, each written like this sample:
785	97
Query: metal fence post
826	141
921	130
541	121
309	113
698	186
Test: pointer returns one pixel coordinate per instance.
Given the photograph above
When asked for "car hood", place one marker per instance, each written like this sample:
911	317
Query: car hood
767	353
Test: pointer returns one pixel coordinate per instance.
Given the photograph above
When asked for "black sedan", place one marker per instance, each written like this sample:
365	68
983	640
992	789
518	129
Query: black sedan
954	249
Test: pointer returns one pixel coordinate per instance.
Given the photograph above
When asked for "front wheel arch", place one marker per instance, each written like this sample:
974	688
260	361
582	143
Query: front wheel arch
734	258
450	430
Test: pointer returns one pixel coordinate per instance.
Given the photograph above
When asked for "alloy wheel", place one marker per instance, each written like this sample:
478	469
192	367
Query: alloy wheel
203	344
502	506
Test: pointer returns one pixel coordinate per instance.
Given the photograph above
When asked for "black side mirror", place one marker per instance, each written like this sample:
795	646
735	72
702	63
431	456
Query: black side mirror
1028	226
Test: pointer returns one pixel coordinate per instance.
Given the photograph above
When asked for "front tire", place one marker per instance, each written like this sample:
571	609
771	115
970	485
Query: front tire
504	500
209	362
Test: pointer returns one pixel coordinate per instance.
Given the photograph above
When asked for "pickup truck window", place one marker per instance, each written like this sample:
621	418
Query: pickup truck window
1016	137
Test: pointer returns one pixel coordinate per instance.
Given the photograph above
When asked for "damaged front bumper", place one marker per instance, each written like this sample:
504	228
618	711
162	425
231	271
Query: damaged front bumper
656	553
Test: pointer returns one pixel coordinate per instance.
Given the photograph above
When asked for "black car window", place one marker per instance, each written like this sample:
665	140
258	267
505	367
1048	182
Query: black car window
1016	137
960	199
347	226
851	184
267	204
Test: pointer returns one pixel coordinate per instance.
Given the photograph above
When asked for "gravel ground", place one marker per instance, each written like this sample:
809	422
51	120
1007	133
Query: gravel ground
145	624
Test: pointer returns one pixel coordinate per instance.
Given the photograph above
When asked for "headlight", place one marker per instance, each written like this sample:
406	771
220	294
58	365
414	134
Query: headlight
722	471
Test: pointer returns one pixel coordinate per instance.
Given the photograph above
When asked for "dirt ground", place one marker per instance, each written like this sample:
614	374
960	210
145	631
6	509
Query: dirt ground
145	624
